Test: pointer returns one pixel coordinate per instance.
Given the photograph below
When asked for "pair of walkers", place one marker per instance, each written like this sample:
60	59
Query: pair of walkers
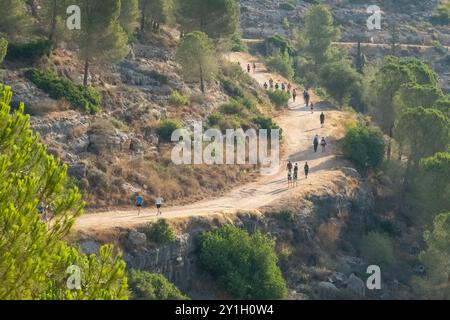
158	202
322	143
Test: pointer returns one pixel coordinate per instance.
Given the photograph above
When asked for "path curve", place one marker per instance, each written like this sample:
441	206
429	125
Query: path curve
299	127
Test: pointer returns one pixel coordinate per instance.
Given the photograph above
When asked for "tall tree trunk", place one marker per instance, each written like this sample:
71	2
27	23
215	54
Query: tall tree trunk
86	72
202	81
51	36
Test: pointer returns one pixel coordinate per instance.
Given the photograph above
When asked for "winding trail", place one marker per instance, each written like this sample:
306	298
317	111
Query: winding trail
299	127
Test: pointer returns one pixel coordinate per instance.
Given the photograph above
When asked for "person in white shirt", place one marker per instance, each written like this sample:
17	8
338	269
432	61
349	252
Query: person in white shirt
159	202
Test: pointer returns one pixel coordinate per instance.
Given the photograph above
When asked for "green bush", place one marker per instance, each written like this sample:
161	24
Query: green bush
279	98
216	120
232	88
30	51
364	146
166	128
152	286
245	265
160	232
441	17
178	99
3	49
274	42
84	98
267	123
232	108
283	63
377	248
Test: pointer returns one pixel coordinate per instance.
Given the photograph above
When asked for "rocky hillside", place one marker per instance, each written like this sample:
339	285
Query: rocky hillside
412	18
117	153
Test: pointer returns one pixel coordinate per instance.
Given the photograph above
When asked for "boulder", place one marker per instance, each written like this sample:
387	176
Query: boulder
326	290
137	239
356	285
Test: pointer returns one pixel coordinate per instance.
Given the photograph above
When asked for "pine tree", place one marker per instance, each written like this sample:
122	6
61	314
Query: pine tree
195	54
53	17
216	18
101	35
33	257
129	16
14	20
3	49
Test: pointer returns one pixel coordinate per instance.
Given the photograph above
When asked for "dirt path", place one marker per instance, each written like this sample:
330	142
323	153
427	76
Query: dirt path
299	127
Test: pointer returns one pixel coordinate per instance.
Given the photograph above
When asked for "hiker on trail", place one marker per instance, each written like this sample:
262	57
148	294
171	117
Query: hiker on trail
139	203
289	178
249	68
294	94
289	166
159	202
316	143
283	87
271	83
296	174
254	67
306	170
322	119
323	144
265	85
306	97
277	86
312	108
289	87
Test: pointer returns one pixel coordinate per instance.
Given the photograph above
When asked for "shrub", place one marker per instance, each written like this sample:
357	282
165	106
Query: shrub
30	51
377	248
160	232
3	49
216	120
279	97
178	99
283	63
166	128
232	88
441	17
152	286
267	123
245	266
232	108
84	98
364	146
281	43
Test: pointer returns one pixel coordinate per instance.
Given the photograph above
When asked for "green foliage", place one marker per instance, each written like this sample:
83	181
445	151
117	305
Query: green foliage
15	20
442	16
274	42
233	107
160	232
364	146
412	95
279	97
377	248
436	259
216	18
319	33
3	49
33	256
245	265
283	63
166	128
161	10
153	286
423	132
53	18
196	55
29	51
84	98
102	36
340	81
178	99
237	45
129	16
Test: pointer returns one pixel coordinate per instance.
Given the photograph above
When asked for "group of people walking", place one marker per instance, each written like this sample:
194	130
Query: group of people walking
293	173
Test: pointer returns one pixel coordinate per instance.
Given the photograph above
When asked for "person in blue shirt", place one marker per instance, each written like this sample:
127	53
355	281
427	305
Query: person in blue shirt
139	203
